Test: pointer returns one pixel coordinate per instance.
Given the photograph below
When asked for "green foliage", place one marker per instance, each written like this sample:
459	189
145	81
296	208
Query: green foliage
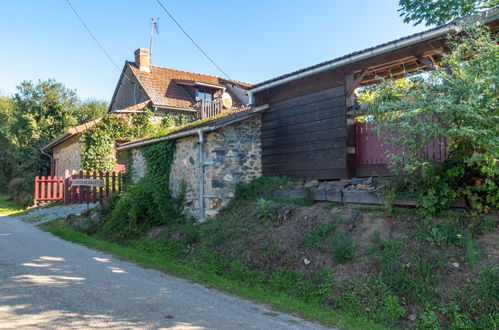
315	287
98	142
440	11
320	234
159	159
176	119
372	299
476	306
91	109
471	252
97	150
266	210
343	248
261	187
128	175
36	114
458	102
147	203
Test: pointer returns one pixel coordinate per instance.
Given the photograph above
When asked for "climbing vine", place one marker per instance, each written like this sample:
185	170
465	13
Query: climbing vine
98	142
147	203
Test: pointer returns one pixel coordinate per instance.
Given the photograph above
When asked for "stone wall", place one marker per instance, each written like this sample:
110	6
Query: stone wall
235	154
138	165
232	154
67	155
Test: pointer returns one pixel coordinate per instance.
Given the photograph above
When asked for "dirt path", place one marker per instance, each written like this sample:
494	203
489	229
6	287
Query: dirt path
46	282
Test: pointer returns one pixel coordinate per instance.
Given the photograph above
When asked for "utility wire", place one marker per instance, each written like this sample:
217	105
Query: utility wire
188	36
95	39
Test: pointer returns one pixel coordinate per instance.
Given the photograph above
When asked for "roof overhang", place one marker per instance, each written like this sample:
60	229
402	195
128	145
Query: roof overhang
60	139
483	17
207	127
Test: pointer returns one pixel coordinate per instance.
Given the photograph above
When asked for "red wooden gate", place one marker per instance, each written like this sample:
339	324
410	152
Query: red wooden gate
85	194
371	150
49	189
58	188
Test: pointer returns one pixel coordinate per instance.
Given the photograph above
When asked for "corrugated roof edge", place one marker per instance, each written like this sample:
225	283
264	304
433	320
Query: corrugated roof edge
485	17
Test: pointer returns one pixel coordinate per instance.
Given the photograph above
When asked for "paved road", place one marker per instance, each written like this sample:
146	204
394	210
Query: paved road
46	282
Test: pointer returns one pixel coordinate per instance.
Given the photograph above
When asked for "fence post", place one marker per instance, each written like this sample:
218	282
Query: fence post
36	190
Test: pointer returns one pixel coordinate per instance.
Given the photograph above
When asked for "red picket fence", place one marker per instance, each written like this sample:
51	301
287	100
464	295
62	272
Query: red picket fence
49	189
84	194
58	188
371	150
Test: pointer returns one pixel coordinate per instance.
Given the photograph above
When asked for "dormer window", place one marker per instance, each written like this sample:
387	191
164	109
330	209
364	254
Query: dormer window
203	94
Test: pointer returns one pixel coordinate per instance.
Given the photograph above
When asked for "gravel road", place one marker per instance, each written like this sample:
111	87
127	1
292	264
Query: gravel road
46	282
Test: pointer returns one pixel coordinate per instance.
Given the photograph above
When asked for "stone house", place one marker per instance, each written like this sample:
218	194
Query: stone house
163	90
210	159
66	149
166	90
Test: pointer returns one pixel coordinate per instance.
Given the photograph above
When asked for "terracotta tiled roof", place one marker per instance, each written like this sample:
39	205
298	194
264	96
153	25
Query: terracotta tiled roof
72	131
165	87
136	107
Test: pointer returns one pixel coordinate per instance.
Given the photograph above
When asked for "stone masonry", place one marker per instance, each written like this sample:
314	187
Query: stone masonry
67	155
232	154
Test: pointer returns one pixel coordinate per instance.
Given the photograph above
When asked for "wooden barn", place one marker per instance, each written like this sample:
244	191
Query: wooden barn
309	130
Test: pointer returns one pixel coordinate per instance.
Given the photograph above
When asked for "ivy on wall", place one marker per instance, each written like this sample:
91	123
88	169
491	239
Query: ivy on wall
98	142
147	203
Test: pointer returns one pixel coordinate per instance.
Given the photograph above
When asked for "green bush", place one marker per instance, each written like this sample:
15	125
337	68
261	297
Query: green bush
457	102
266	210
147	203
320	234
478	304
343	248
373	299
140	207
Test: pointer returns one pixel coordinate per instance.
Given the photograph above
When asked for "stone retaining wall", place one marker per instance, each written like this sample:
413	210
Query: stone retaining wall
232	154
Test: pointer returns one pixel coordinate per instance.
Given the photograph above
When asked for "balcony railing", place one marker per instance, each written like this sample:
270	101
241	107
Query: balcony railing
208	109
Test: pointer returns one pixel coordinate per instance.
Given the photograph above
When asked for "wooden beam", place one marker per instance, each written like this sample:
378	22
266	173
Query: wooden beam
426	62
355	83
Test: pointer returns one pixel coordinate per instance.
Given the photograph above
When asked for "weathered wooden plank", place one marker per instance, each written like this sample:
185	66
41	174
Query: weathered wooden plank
326	174
319	165
307	85
304	137
304	118
373	170
271	113
304	157
298	101
327	143
318	121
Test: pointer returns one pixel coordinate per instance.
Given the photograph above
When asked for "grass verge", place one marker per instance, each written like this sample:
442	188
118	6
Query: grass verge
256	292
8	207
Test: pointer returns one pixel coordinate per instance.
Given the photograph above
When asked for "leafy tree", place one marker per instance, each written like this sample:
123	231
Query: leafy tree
441	11
35	115
458	102
91	109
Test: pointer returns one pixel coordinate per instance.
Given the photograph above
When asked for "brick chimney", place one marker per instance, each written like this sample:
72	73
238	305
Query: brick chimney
142	59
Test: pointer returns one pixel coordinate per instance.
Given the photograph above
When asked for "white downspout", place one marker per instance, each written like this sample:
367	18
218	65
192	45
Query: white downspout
201	176
250	98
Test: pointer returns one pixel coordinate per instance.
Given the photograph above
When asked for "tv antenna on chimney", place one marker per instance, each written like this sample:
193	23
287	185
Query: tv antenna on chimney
154	29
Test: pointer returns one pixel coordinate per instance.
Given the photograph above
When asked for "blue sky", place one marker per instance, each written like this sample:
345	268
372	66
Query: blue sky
251	40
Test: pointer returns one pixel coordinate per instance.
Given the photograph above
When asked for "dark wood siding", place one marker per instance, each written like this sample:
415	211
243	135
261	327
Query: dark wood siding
304	136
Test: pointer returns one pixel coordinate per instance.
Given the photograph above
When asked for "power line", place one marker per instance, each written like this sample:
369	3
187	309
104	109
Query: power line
188	36
95	39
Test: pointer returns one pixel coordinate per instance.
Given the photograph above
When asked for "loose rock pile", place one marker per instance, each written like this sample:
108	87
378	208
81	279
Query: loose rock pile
86	220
